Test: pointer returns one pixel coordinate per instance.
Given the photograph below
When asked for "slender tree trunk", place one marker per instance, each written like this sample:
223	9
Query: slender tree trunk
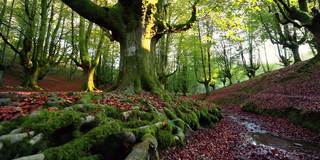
296	54
230	81
7	32
207	87
266	57
89	84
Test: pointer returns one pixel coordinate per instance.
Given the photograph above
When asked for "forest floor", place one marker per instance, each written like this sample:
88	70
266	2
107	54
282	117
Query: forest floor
241	135
53	82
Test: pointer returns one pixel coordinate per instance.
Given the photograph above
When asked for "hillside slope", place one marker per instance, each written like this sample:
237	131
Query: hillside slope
53	82
289	87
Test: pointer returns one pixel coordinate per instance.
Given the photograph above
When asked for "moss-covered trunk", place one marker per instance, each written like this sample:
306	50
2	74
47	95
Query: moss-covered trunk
89	84
136	63
30	79
134	24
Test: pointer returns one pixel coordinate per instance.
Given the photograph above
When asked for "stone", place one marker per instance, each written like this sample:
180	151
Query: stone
4	101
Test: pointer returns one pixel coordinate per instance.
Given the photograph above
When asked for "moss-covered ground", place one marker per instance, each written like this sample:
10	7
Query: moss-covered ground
104	126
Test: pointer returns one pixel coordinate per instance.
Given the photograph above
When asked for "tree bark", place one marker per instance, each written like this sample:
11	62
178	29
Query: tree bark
31	78
133	24
296	54
207	87
89	84
136	62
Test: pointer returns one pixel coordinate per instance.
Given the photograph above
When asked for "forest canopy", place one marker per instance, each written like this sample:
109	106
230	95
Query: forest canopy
149	45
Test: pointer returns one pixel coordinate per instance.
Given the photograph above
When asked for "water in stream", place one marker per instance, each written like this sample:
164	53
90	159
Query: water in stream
258	136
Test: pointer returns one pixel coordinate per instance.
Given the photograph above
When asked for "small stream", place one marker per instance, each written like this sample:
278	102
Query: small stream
283	143
258	136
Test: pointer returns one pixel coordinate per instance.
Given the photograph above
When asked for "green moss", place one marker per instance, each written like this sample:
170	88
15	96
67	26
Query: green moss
180	123
94	157
23	148
190	118
165	139
136	123
140	132
86	98
80	147
66	138
47	122
93	108
170	114
55	101
8	126
140	115
207	119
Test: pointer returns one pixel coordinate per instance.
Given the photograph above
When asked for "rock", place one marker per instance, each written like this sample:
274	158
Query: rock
4	101
298	144
55	102
39	156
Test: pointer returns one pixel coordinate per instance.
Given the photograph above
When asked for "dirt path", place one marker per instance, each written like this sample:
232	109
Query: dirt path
242	135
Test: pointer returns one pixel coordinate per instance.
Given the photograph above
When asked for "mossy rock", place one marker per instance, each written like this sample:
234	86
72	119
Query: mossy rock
55	102
88	98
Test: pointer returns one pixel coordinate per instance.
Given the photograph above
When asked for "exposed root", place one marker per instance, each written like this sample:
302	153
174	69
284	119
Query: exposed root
91	131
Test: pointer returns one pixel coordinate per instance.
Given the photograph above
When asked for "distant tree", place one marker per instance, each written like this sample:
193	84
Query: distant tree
225	62
88	62
251	63
205	76
41	42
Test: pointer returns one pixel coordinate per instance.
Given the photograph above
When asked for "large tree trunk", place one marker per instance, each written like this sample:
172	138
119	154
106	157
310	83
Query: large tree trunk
316	33
136	65
133	23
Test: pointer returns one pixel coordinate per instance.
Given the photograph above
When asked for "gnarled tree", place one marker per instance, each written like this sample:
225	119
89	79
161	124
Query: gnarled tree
137	26
306	15
286	35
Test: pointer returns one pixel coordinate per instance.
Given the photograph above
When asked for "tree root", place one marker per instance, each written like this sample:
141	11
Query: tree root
146	150
112	128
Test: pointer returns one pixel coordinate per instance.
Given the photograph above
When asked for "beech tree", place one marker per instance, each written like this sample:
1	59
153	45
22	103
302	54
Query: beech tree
41	40
206	57
306	14
137	26
87	62
252	64
286	35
